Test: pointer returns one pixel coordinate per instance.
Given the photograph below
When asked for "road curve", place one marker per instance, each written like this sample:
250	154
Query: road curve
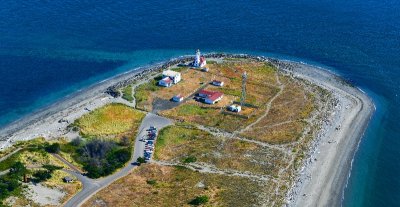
92	186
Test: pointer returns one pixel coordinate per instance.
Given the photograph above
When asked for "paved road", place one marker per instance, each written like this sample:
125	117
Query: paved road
91	186
67	163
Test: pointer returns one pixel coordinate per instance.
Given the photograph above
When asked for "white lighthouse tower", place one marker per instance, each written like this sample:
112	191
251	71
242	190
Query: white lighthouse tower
196	62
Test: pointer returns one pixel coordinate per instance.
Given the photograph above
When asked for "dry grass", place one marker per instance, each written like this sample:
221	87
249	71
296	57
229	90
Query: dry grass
176	186
112	119
285	121
177	143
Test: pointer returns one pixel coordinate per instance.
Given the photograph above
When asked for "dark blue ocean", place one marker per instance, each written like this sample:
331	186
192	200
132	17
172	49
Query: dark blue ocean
49	49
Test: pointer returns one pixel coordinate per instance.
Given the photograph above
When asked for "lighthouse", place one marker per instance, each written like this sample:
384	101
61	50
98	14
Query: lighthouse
199	61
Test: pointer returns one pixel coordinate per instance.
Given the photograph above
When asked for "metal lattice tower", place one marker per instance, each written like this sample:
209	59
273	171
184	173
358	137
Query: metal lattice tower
244	79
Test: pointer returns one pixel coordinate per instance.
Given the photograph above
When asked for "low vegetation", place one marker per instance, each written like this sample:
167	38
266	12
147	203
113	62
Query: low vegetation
143	94
127	93
178	186
112	119
184	144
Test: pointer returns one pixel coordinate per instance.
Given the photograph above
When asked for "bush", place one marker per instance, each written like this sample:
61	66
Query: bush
140	160
127	93
53	148
151	182
199	200
190	159
76	142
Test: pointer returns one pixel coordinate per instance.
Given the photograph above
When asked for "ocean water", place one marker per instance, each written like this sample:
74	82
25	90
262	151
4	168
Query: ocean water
49	49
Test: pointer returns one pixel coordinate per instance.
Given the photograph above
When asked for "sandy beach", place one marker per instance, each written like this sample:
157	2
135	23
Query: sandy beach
326	169
319	183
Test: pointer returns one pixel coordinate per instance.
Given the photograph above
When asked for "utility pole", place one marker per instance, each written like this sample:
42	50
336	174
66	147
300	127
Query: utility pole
244	79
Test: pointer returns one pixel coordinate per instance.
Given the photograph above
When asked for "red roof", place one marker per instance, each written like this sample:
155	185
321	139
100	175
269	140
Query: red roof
212	95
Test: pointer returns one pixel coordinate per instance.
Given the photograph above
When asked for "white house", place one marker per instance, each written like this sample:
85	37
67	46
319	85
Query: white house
210	97
169	77
174	76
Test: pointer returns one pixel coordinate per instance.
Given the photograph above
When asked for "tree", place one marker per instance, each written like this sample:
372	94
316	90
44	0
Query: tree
125	141
77	141
53	148
18	169
42	175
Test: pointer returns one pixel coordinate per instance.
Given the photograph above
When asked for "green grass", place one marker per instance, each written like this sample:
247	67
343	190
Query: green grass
6	164
112	119
178	69
188	110
174	135
142	92
127	93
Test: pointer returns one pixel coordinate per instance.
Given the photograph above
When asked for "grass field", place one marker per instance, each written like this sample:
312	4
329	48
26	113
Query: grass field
112	119
127	93
152	185
178	143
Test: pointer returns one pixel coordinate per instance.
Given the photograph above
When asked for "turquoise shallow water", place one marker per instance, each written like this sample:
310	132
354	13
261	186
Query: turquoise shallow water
49	49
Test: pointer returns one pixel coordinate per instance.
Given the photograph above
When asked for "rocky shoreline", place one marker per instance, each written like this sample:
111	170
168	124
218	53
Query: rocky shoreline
44	123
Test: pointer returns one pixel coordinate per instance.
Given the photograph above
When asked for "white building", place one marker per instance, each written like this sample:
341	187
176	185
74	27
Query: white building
217	83
177	98
234	108
169	77
199	61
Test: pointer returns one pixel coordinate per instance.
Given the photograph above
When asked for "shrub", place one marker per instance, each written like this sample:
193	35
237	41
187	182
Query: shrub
141	160
53	148
42	175
199	200
151	182
190	159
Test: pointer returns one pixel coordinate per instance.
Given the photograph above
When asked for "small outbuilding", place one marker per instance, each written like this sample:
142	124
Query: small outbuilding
177	98
166	82
234	108
217	83
68	179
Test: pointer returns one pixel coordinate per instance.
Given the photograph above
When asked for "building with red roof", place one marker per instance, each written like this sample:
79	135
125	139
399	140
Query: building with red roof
210	97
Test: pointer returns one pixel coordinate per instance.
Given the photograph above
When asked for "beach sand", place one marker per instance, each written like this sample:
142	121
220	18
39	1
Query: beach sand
324	175
325	172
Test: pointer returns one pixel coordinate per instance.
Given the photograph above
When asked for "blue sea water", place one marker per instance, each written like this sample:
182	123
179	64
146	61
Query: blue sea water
49	49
